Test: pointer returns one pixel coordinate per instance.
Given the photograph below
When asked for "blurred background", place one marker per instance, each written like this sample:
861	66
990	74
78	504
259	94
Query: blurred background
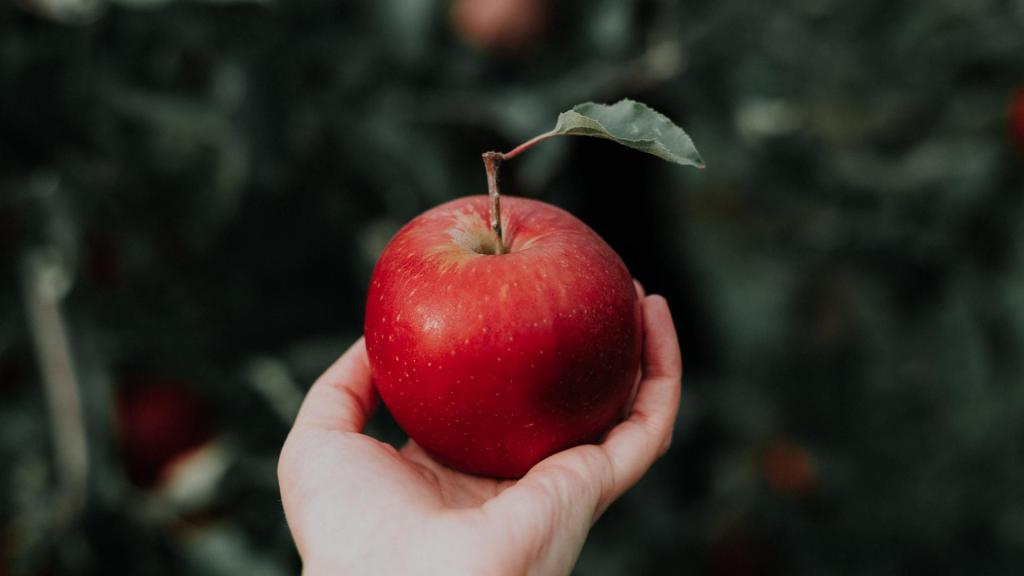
193	195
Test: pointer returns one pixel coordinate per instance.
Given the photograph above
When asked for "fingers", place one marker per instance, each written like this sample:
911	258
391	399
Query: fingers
640	292
343	398
559	498
340	400
635	444
582	481
628	408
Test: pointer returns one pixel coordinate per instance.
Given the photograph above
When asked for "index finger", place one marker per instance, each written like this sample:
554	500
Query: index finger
584	480
634	445
343	398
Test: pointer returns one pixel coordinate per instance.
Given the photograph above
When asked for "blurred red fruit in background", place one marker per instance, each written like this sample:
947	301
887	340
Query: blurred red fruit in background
1016	119
505	26
789	469
159	422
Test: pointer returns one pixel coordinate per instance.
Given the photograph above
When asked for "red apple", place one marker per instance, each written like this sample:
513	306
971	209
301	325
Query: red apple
1016	118
492	362
159	423
505	26
789	469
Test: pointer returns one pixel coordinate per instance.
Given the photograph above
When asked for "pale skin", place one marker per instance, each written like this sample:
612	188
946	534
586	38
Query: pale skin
356	505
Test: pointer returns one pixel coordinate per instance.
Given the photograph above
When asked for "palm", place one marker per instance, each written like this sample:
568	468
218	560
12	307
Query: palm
452	488
359	505
419	479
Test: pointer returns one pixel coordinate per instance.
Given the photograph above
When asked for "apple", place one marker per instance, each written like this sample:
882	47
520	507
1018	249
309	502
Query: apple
1016	119
498	341
789	469
504	26
499	338
160	422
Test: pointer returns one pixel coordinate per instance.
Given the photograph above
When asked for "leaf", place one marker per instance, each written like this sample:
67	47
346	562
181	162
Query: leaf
632	124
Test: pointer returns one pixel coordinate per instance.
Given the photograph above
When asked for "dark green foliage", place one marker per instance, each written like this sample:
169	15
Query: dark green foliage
206	187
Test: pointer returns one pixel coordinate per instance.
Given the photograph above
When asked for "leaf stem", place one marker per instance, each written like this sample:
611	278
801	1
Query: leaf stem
528	144
492	163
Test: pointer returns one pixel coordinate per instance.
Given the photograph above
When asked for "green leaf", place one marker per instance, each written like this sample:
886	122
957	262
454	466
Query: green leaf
632	124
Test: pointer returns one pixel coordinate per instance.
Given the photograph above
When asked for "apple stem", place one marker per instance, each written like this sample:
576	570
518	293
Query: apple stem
492	163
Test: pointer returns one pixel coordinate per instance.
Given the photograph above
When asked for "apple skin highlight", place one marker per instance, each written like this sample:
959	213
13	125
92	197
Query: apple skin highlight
491	362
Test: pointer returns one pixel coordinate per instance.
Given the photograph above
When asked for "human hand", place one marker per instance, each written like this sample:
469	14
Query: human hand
356	505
